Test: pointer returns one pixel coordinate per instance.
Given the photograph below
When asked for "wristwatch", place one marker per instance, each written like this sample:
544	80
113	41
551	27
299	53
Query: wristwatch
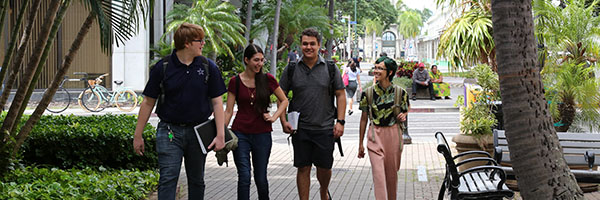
341	121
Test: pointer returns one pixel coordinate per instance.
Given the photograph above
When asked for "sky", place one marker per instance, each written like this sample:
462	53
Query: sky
420	4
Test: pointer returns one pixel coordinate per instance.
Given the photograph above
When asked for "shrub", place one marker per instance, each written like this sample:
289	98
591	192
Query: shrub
88	141
44	183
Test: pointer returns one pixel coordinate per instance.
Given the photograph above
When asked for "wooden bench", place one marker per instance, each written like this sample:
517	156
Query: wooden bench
481	182
579	149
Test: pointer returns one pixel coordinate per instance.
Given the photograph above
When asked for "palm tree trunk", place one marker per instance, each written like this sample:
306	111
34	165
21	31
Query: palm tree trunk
3	10
248	21
15	34
42	63
274	52
36	56
329	44
535	151
39	110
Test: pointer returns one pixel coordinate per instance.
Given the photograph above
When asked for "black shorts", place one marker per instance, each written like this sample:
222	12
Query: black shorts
313	147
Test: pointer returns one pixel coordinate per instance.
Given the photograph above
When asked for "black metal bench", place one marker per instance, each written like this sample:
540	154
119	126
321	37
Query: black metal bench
579	150
481	182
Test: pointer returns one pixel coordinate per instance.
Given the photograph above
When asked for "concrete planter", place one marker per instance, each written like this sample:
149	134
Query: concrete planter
466	143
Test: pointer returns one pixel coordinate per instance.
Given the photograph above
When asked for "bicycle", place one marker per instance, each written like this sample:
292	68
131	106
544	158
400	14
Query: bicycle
96	97
62	98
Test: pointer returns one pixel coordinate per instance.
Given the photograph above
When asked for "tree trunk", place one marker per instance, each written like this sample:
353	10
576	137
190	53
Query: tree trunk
39	110
535	151
43	39
3	10
13	39
274	52
329	44
31	86
248	21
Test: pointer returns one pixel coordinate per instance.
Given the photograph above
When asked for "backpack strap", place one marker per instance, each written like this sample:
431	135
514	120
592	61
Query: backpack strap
290	74
161	97
206	69
369	93
237	86
331	68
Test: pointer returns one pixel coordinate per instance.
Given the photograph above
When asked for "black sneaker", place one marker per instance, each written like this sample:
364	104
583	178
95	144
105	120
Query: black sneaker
448	97
414	97
433	98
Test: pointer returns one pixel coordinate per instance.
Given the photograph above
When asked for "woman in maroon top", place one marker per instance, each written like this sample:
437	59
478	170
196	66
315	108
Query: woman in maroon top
252	123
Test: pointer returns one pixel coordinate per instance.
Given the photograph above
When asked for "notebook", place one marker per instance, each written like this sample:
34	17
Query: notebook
206	133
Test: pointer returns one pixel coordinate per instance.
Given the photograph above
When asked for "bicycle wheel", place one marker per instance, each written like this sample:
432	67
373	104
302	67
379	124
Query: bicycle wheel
126	100
90	100
60	102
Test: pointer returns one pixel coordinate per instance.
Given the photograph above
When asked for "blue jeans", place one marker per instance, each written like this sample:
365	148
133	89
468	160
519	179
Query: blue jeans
170	153
260	146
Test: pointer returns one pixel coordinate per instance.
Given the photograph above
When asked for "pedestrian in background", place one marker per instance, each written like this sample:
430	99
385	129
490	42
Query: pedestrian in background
421	79
353	72
251	90
314	88
189	88
384	138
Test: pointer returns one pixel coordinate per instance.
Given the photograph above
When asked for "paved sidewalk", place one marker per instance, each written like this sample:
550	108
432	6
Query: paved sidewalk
351	177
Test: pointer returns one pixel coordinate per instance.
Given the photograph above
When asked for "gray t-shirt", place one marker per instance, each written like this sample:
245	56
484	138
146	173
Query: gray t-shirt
421	76
311	94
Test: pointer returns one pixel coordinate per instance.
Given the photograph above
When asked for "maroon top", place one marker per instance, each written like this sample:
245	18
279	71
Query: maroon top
247	120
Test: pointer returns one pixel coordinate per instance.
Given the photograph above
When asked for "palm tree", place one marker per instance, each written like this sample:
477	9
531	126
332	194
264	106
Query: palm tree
468	40
409	25
275	32
575	34
248	21
535	151
118	21
296	15
373	27
8	57
221	25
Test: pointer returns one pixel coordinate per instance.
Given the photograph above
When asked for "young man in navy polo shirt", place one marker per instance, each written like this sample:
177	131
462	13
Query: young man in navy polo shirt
187	101
314	139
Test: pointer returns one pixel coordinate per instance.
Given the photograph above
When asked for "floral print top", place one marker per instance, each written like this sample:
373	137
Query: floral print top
382	105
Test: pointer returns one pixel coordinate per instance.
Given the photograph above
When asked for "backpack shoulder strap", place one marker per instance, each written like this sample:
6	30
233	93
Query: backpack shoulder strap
398	92
369	93
206	68
331	69
237	86
161	97
290	73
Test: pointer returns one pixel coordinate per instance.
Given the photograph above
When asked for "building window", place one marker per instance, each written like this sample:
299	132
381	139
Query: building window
388	36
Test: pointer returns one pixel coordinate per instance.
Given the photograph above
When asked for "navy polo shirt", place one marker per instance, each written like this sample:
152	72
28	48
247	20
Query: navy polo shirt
187	96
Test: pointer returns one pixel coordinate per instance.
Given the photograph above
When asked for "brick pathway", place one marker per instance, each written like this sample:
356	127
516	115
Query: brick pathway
351	177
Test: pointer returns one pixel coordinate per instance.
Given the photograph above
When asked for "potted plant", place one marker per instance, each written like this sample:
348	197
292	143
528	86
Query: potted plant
477	114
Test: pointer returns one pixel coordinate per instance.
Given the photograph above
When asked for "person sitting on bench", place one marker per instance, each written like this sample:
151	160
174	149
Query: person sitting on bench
421	79
440	88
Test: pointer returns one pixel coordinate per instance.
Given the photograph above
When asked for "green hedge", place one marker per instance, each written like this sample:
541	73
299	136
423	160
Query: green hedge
43	183
88	141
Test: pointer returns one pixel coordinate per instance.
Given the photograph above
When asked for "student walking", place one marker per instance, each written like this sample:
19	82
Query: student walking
189	88
353	73
386	106
251	90
315	84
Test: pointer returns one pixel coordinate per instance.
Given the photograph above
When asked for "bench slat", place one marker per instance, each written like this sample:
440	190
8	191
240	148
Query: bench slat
566	144
463	187
592	137
571	159
486	183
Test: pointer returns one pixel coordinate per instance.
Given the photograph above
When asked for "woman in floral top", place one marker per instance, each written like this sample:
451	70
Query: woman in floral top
384	138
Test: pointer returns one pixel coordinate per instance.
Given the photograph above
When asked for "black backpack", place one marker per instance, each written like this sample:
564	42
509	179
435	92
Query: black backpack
165	63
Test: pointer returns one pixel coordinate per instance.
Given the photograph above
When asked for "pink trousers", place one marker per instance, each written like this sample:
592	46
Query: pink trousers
385	152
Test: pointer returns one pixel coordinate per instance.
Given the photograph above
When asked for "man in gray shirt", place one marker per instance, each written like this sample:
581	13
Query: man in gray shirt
314	139
421	79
